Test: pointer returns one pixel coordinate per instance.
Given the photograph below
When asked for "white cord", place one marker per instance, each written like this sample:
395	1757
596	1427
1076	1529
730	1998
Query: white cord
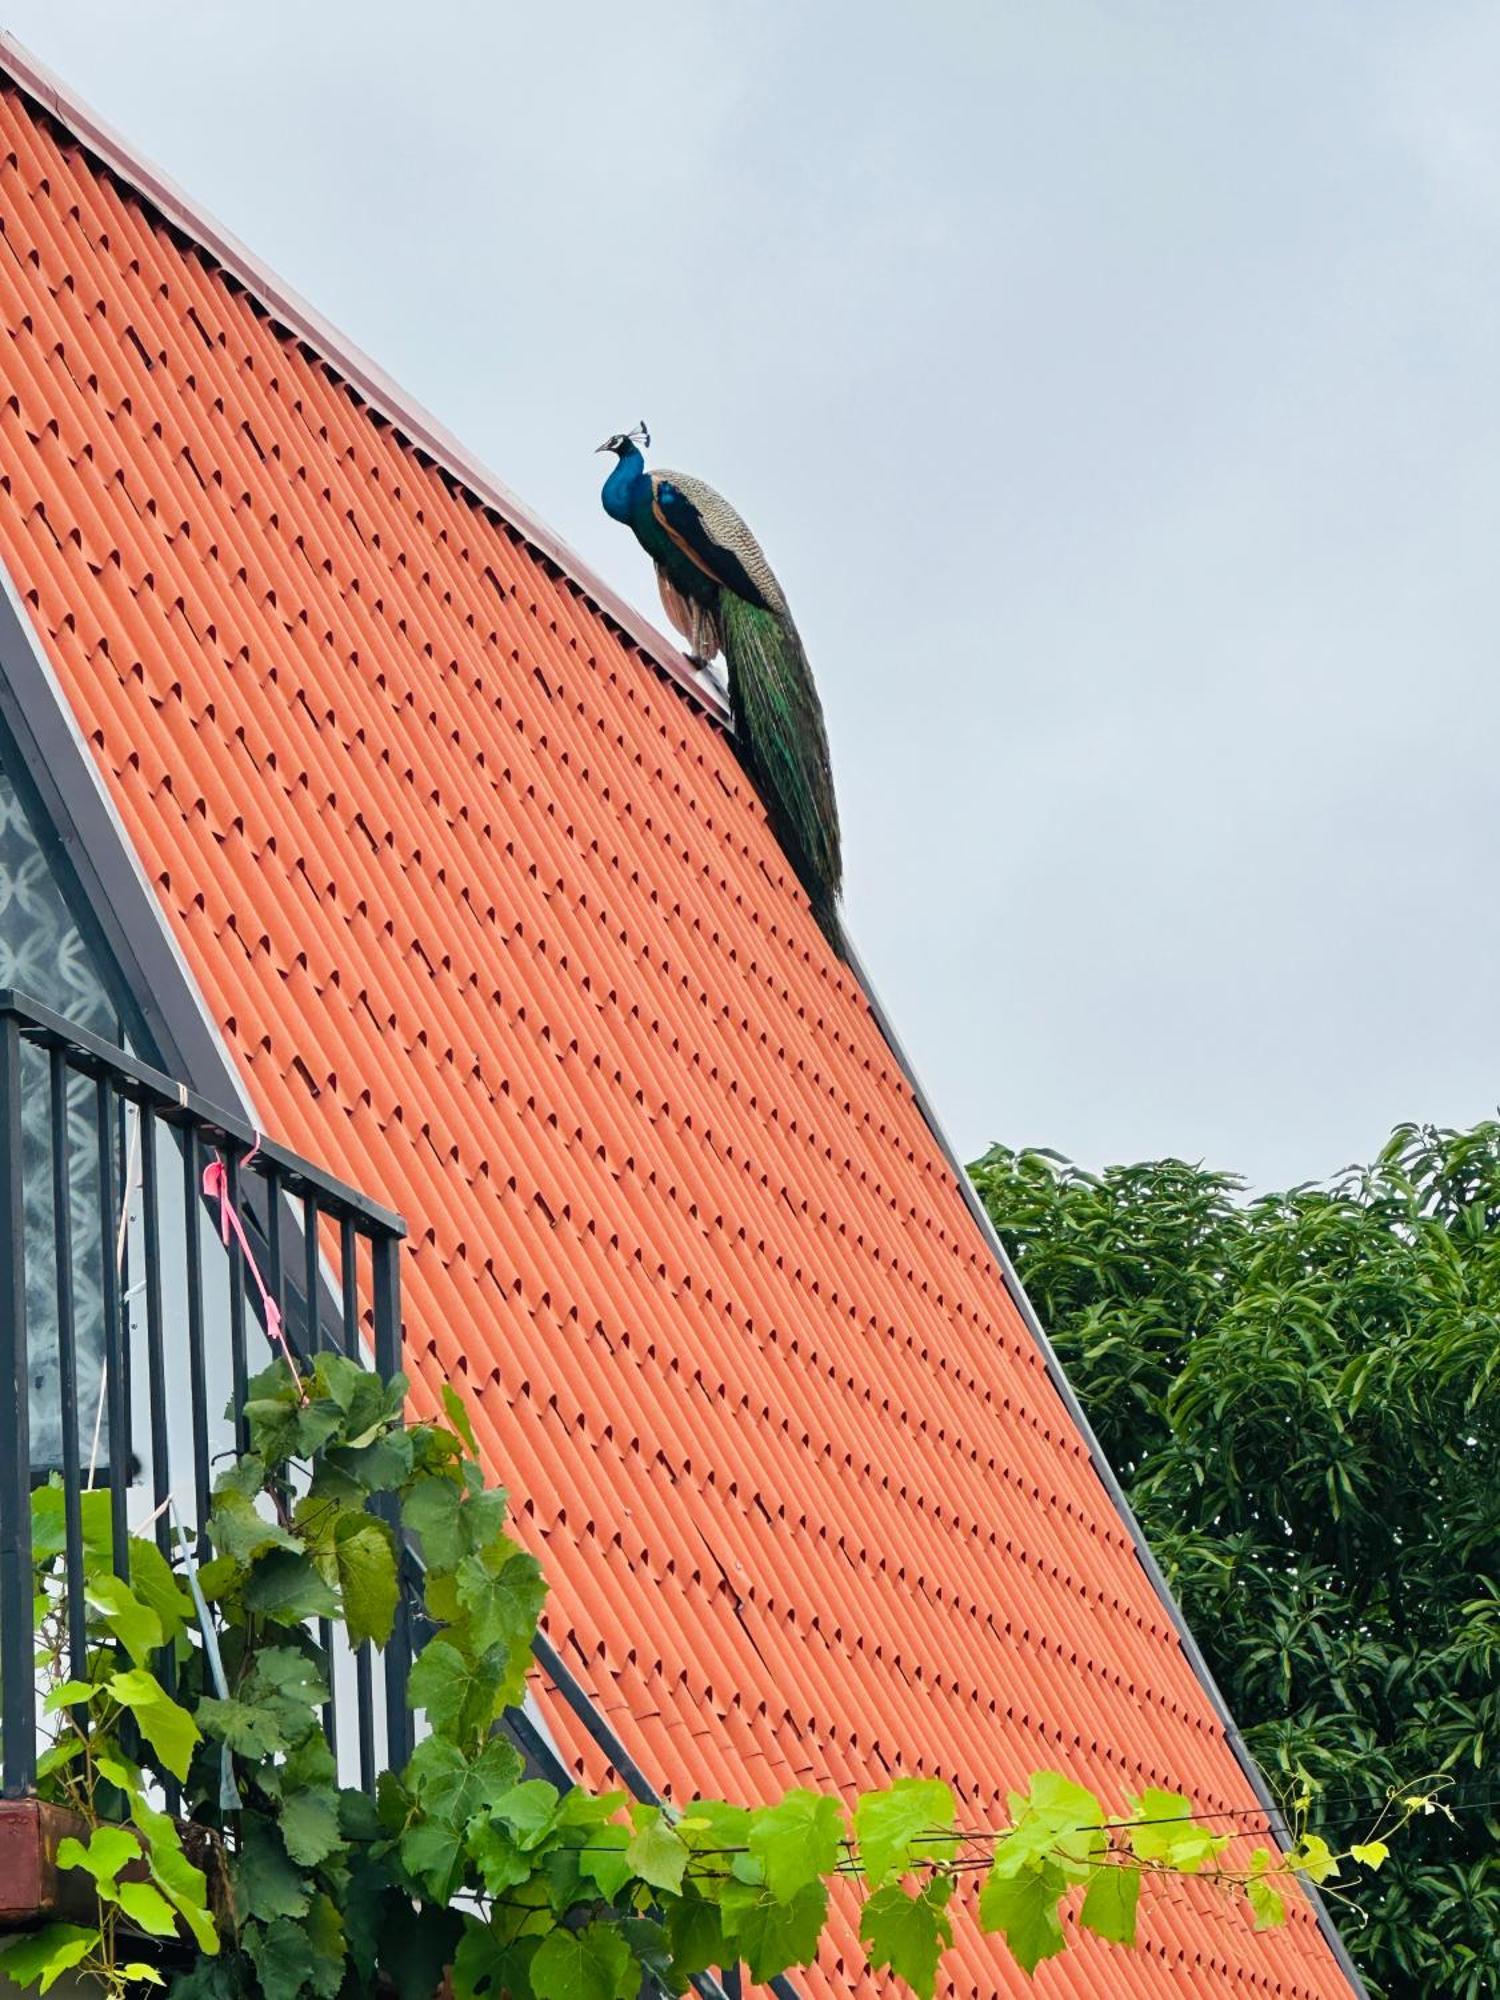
132	1166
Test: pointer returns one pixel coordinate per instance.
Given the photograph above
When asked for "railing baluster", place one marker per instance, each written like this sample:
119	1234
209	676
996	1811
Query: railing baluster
237	1317
312	1341
192	1217
156	1388
127	1142
156	1360
312	1273
17	1686
275	1270
386	1290
349	1295
67	1363
111	1225
364	1672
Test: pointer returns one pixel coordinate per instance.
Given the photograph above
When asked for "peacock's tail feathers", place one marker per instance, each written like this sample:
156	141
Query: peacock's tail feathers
781	738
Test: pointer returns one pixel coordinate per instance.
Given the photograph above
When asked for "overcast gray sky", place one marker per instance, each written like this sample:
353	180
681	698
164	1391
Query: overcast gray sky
1116	389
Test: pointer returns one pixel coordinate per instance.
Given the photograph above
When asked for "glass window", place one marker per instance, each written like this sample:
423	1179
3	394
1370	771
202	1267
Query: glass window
44	956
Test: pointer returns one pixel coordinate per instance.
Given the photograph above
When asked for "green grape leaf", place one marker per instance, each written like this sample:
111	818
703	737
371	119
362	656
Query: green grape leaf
159	1588
267	1882
458	1417
1023	1909
431	1510
285	1587
209	1979
49	1525
68	1694
57	1756
323	1930
170	1730
503	1608
454	1787
1314	1858
364	1551
134	1624
148	1909
895	1827
1168	1835
1267	1903
181	1883
710	1823
657	1854
349	1472
456	1693
907	1933
1056	1818
1109	1906
771	1935
529	1810
603	1860
309	1825
695	1933
281	1957
40	1957
1370	1853
432	1853
138	1973
499	1857
797	1842
110	1849
251	1729
241	1532
284	1671
591	1964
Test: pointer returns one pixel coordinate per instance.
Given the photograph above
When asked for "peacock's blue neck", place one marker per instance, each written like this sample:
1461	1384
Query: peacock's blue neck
623	485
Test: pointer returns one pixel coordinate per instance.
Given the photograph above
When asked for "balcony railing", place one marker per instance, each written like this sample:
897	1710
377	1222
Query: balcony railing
131	1318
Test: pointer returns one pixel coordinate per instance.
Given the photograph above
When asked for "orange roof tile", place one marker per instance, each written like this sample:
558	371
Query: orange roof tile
492	922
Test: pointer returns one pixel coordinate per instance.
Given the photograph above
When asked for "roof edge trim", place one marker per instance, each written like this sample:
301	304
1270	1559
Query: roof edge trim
364	376
1016	1290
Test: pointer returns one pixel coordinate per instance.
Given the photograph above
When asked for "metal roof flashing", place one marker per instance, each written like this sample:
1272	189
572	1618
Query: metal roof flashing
364	377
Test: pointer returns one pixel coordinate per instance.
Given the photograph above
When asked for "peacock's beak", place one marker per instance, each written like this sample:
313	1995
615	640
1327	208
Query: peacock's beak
608	445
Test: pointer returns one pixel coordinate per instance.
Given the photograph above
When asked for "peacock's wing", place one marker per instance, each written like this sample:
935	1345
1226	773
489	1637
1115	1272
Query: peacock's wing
780	734
696	622
707	530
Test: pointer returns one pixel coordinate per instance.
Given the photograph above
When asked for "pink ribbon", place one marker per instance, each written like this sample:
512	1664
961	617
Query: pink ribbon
216	1187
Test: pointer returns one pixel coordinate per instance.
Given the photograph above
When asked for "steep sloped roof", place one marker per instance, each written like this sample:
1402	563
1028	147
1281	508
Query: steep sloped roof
492	923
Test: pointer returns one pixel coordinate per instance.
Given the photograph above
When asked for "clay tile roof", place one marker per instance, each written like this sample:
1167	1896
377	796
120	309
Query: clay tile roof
491	921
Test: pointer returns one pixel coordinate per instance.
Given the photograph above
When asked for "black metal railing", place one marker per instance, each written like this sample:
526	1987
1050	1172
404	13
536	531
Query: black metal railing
131	1318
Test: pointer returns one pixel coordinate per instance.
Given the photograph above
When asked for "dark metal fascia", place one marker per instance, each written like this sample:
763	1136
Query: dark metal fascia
1102	1467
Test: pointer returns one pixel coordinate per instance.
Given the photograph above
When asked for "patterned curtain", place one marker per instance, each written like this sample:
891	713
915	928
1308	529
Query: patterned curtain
43	956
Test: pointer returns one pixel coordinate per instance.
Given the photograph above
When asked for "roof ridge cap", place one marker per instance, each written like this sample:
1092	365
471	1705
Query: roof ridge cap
357	369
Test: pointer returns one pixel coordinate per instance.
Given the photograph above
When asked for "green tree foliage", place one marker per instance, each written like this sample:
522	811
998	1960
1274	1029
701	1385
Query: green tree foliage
462	1860
1302	1396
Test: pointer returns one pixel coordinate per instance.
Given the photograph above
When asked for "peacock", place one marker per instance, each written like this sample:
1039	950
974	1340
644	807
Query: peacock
720	594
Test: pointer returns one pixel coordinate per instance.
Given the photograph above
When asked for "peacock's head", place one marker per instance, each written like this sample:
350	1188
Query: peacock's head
624	442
